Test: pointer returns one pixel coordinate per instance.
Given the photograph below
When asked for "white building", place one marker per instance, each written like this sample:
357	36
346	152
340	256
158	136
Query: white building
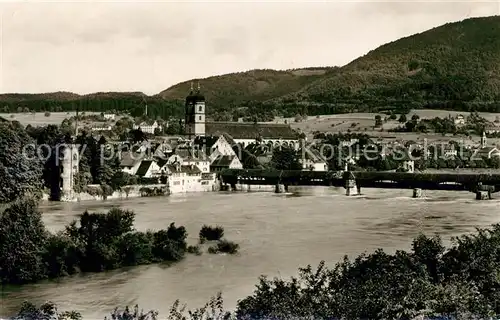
184	179
109	116
100	127
147	126
190	156
130	162
148	169
311	160
459	120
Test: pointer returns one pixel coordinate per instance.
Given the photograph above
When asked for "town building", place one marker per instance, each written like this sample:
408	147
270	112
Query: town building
240	133
459	120
312	160
148	169
147	126
101	127
188	178
492	130
190	156
130	162
225	162
109	116
485	152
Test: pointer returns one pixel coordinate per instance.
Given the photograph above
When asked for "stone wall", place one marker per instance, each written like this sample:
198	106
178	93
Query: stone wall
132	192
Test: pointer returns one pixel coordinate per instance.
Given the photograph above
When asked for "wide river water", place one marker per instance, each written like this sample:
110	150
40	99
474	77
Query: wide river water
277	234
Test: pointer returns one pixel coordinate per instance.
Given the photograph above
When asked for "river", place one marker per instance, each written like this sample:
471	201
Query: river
277	234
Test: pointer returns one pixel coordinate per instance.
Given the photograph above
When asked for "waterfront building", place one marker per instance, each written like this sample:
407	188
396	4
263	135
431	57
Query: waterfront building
188	178
190	156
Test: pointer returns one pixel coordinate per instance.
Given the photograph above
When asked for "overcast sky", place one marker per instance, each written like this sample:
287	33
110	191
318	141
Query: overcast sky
137	46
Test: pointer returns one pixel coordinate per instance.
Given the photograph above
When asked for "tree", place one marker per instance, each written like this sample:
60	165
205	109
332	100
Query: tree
402	118
20	166
173	128
415	117
22	240
285	158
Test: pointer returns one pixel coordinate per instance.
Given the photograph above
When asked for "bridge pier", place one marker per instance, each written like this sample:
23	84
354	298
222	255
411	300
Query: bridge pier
483	195
280	188
417	193
349	187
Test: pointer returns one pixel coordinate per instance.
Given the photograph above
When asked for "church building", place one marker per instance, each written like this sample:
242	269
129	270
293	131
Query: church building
241	133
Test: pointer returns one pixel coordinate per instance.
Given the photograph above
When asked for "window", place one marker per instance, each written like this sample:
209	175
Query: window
199	118
200	109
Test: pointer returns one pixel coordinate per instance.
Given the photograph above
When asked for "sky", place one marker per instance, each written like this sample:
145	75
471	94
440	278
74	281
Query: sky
86	47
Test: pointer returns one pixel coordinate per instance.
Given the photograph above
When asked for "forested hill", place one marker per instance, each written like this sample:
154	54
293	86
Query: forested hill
454	66
230	91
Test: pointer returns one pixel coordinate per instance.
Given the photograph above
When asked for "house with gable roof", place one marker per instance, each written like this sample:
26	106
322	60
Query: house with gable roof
311	159
147	126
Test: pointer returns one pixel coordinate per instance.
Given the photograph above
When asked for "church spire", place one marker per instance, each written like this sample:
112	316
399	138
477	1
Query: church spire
198	86
191	86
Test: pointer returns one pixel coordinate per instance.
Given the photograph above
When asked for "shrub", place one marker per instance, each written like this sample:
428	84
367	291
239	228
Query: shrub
211	233
127	314
224	246
195	250
47	114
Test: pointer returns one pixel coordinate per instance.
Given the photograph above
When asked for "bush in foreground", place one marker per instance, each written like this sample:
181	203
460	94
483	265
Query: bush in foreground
224	246
97	242
209	233
426	282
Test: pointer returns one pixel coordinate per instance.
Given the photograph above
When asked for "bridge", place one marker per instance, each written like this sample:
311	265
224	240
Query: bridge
481	184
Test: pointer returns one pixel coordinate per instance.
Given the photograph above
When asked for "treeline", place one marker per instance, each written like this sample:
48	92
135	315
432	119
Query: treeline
428	281
118	102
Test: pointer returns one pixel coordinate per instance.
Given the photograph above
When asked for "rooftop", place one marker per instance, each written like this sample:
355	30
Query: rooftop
238	130
223	161
144	167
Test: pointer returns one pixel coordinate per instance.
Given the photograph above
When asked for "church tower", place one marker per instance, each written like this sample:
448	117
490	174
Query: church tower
483	140
195	113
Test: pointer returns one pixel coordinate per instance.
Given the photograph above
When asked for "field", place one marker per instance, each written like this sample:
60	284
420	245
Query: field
364	123
39	118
